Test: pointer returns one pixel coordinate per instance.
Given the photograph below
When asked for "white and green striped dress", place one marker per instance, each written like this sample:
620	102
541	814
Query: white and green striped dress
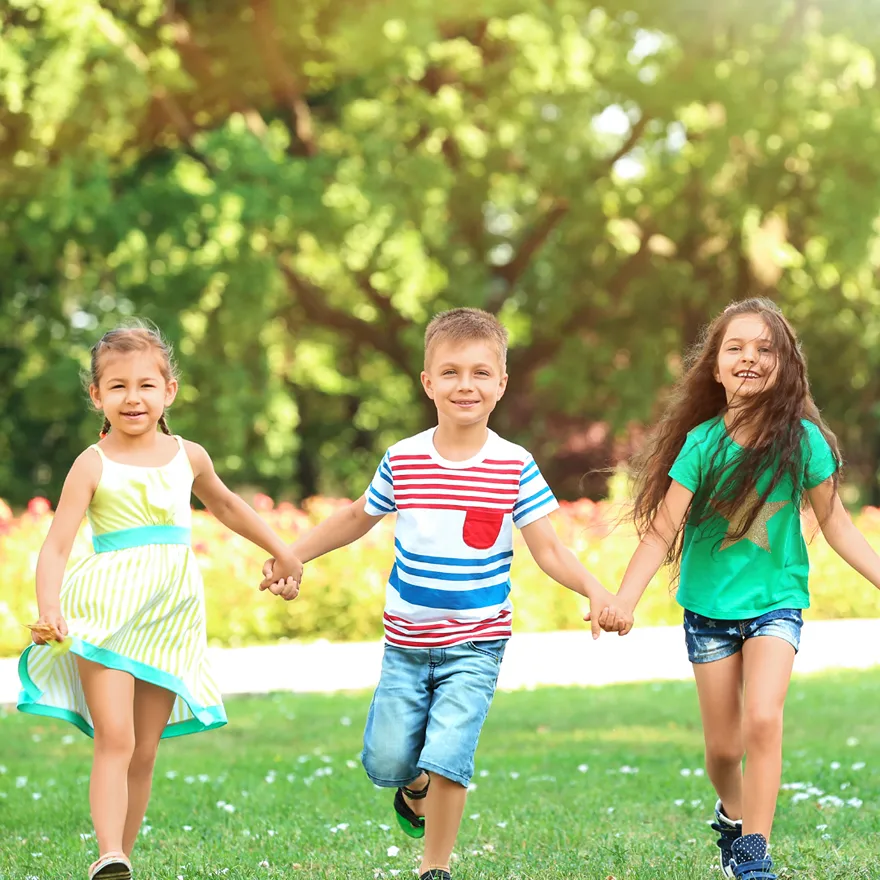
136	605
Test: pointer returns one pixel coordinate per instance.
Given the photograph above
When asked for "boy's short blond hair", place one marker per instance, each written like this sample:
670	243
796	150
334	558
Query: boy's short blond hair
466	325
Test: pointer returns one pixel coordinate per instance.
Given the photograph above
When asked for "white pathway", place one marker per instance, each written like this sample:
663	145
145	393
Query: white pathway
531	659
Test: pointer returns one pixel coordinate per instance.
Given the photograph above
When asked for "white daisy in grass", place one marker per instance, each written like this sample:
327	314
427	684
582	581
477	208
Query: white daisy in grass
393	851
514	774
187	828
171	774
859	765
582	768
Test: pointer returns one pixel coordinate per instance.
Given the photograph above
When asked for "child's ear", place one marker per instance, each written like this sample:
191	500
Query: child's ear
427	384
502	386
96	397
170	392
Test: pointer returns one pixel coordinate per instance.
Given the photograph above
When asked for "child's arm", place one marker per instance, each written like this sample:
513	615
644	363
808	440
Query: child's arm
654	546
79	487
841	533
342	528
237	515
559	563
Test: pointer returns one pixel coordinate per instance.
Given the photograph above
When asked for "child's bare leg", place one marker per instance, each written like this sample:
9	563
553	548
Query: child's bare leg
768	662
152	707
444	807
417	806
109	694
720	686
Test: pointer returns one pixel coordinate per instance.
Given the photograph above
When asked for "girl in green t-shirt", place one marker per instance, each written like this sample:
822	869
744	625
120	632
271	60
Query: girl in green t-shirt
719	491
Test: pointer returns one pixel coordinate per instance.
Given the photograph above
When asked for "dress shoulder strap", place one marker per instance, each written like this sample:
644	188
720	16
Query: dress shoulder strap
99	451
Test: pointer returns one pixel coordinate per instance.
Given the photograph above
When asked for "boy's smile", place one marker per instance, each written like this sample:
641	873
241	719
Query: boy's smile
465	380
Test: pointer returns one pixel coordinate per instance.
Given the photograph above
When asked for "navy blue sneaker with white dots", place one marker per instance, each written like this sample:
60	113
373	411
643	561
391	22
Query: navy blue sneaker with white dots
750	860
730	830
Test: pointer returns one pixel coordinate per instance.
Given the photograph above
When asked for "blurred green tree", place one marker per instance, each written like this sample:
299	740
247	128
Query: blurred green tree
290	191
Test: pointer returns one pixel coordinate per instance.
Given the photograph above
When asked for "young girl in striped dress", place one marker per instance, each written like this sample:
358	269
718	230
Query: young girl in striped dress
120	646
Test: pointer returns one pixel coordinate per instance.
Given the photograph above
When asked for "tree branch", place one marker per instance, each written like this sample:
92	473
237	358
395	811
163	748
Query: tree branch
358	331
512	271
200	64
635	135
108	26
281	80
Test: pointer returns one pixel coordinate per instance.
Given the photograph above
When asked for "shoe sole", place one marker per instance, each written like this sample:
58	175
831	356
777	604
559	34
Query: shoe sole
113	872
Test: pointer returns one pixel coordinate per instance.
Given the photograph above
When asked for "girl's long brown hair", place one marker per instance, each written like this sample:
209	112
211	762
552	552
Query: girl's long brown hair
770	417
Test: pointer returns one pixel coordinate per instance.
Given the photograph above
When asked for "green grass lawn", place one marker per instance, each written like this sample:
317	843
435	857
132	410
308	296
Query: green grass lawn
571	783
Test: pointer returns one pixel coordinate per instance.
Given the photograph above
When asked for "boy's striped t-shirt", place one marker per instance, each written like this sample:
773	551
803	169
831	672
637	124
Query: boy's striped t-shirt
453	538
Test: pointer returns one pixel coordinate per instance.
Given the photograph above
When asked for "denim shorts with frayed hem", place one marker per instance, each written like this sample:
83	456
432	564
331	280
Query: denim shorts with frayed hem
428	711
709	640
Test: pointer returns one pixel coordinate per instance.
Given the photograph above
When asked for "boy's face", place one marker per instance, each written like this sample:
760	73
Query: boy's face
465	380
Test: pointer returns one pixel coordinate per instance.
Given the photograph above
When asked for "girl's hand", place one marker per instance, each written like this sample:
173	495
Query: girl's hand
50	627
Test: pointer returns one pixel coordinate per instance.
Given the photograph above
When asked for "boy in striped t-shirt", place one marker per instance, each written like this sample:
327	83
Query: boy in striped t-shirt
458	490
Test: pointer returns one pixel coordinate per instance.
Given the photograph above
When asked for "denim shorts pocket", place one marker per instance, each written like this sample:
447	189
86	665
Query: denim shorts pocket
493	649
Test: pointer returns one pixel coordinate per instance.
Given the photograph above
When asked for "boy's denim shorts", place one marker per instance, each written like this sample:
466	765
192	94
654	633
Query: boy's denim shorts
428	710
709	640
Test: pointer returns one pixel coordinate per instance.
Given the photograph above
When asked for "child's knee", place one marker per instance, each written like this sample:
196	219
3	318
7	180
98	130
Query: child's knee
115	738
763	729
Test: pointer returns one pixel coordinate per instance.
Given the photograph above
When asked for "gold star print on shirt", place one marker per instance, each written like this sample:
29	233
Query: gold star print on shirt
757	533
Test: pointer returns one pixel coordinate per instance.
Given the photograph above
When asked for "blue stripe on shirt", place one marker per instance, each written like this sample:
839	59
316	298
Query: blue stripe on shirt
529	473
444	560
526	502
380	500
434	575
545	502
425	597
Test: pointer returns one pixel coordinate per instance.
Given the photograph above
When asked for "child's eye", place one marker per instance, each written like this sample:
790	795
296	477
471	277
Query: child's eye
449	372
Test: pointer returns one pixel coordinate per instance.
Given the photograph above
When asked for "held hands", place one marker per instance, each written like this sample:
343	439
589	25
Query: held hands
608	613
282	577
616	617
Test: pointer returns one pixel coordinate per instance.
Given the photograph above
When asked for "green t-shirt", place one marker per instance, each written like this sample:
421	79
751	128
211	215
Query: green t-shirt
765	570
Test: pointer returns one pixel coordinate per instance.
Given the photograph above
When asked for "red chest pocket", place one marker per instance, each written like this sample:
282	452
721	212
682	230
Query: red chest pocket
482	527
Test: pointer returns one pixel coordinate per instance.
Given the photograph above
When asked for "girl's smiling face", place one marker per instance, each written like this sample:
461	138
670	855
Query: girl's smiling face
747	360
132	391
